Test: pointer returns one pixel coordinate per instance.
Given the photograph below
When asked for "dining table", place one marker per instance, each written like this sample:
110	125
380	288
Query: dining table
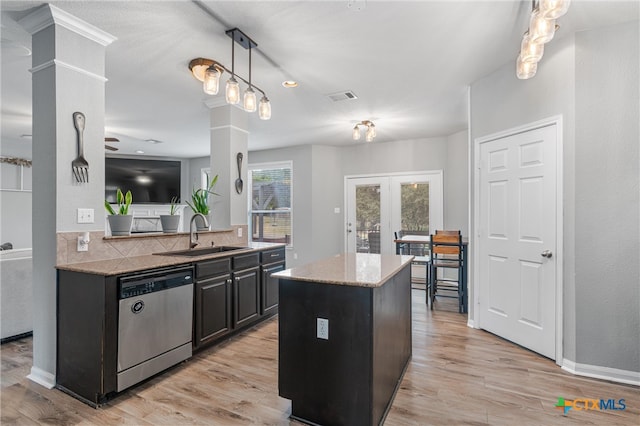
406	241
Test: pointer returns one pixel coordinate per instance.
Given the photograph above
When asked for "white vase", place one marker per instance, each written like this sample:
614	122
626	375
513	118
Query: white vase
200	227
169	223
120	224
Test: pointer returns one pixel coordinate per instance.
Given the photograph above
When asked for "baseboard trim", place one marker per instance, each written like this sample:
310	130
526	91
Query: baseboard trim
41	377
471	323
604	373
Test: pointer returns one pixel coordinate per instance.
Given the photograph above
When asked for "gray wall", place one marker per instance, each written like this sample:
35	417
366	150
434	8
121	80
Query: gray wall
608	198
318	231
592	81
456	183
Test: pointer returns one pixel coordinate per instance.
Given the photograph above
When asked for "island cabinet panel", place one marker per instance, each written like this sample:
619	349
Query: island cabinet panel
351	377
87	330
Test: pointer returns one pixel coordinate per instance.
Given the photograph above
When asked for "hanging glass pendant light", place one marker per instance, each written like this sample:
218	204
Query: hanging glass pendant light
541	30
250	101
356	133
232	92
553	9
211	82
525	70
264	110
529	51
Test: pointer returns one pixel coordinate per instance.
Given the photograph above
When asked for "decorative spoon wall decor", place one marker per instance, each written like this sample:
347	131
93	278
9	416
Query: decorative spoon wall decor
239	183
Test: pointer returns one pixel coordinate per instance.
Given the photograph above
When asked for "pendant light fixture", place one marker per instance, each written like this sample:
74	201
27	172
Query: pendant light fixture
369	134
542	27
249	95
209	72
232	91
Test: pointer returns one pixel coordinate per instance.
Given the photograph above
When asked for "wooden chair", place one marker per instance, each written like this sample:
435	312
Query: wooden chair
445	232
446	253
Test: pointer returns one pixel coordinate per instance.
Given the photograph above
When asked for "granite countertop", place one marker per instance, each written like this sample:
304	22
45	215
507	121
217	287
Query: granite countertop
152	261
352	269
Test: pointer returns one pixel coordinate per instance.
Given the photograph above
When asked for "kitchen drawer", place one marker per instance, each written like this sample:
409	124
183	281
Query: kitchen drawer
212	268
244	261
272	256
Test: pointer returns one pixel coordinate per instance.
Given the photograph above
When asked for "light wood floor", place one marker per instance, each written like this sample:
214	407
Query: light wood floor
458	375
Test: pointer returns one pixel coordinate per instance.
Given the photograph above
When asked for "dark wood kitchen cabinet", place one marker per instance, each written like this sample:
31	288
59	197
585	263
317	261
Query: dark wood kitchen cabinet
212	309
271	261
246	288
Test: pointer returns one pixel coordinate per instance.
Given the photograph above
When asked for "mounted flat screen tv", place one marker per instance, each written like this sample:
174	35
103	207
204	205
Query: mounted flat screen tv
150	181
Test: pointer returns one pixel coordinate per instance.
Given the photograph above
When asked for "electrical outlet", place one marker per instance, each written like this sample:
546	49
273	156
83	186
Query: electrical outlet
85	215
239	232
322	328
83	245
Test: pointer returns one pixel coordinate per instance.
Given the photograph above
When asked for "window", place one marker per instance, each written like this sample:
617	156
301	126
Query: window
270	213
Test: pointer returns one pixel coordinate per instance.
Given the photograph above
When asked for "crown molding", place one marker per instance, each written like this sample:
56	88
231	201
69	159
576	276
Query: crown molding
57	62
48	15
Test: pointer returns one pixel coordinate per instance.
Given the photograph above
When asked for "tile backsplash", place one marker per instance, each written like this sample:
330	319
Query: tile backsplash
104	248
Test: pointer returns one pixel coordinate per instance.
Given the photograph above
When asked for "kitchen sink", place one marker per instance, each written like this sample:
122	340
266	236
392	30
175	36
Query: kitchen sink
201	251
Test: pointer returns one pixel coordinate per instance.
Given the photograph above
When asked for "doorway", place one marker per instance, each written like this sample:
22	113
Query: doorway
518	226
377	206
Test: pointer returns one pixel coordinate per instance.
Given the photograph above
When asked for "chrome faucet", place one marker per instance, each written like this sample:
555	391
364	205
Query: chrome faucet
192	240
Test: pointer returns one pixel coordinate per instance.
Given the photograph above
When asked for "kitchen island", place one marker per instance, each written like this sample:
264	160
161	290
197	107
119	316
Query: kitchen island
344	337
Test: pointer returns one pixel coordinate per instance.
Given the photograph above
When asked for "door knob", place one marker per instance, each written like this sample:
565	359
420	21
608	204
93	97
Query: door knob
547	254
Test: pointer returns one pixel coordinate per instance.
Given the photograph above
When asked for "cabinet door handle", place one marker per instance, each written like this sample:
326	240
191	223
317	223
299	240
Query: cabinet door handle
229	281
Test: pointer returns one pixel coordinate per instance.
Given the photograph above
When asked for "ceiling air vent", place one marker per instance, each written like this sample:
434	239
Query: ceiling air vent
342	96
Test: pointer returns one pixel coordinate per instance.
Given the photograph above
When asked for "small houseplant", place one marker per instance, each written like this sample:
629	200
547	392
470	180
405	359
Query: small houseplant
120	220
171	221
200	202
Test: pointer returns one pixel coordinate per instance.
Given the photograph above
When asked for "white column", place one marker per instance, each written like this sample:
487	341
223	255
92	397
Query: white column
229	136
68	76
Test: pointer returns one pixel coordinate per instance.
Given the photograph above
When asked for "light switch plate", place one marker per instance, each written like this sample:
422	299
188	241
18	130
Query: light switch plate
85	215
336	210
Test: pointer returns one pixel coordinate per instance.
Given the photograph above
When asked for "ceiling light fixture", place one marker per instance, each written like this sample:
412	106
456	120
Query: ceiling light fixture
289	84
369	134
209	72
542	27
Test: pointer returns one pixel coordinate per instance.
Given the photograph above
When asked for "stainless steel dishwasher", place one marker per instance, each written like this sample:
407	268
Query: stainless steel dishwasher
154	323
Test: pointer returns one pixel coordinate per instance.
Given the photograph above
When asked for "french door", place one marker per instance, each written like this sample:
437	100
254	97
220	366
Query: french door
378	206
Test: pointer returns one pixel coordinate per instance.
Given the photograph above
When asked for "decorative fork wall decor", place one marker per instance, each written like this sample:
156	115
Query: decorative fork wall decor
79	166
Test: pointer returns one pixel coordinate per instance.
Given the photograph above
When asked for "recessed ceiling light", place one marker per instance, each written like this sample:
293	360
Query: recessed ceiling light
139	151
153	141
289	84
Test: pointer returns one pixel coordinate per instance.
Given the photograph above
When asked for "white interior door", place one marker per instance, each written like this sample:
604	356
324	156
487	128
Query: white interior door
517	238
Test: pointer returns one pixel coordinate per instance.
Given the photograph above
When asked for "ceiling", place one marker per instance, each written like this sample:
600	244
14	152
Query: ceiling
409	63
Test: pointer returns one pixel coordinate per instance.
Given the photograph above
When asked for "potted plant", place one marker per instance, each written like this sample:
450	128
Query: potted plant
171	221
120	220
200	203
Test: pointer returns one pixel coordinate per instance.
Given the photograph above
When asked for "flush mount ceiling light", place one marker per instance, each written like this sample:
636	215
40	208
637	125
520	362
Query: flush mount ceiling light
369	134
542	27
289	84
209	72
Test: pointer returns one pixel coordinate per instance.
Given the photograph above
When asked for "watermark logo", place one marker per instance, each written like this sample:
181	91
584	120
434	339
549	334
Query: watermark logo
585	404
